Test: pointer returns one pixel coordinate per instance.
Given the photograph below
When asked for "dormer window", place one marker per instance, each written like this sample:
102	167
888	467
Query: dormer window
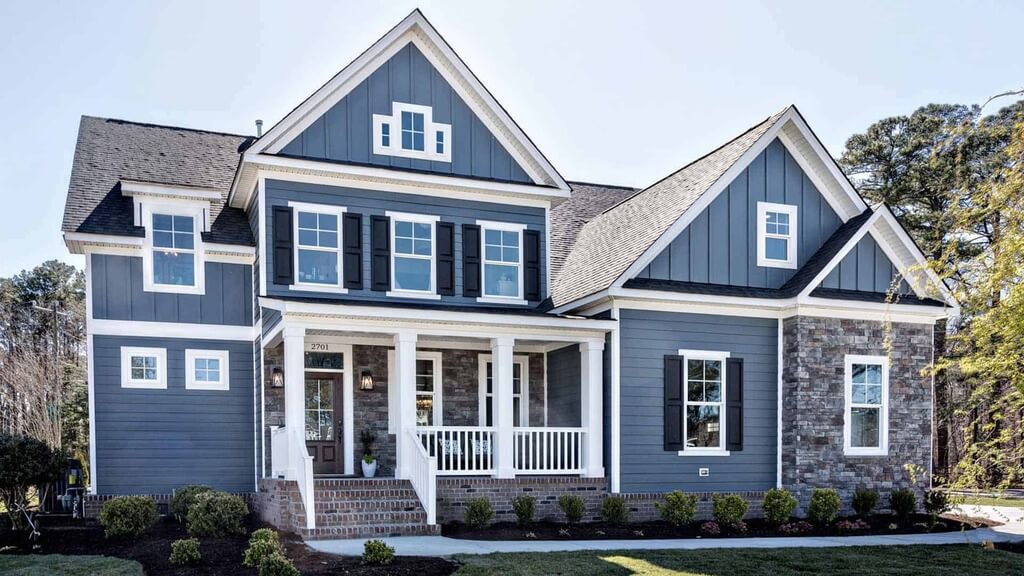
776	235
417	136
173	256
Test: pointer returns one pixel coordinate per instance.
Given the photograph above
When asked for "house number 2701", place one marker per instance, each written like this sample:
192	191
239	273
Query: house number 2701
318	347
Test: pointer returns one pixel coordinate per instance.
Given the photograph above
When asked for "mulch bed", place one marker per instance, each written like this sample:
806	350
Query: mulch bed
219	555
654	530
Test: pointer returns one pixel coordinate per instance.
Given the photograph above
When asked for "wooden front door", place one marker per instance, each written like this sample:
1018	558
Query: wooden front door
323	422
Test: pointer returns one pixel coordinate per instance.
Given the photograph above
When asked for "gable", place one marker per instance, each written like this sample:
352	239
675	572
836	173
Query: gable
720	245
865	268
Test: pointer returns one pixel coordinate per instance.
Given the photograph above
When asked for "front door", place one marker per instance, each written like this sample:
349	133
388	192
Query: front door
323	422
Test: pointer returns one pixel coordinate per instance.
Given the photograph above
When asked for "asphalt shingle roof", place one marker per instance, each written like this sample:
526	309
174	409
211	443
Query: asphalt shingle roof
587	201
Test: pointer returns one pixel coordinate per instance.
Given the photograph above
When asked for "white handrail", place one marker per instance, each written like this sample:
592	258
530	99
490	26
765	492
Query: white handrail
459	450
279	457
547	450
303	465
423	476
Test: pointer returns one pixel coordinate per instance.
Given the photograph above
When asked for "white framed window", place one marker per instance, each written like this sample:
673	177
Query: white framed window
776	235
173	247
318	260
429	391
207	370
704	402
520	390
143	367
502	250
413	253
410	132
866	414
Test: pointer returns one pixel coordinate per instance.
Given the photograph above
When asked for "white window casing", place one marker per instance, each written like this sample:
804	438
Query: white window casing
523	362
866	402
414	219
705	356
143	367
434	136
200	373
503	227
780	231
198	213
319	209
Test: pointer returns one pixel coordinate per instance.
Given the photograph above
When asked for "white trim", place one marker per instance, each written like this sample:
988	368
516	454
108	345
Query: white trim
197	213
524	388
438	394
330	210
918	258
883	416
778	409
347	390
713	356
90	374
160	354
394	414
190	373
700	453
517	228
136	187
616	402
790	210
544	358
393	219
261	201
430	131
172	330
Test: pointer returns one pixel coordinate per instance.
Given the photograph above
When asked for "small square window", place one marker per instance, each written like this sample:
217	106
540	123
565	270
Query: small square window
206	370
143	367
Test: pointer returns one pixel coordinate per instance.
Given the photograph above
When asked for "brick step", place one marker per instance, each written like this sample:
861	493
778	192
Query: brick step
405	504
364	495
379	531
372	519
357	483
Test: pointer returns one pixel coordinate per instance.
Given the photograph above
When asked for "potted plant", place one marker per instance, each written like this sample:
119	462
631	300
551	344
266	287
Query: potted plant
369	462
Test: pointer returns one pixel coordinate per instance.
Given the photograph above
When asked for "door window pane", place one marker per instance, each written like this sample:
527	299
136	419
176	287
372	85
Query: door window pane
319	409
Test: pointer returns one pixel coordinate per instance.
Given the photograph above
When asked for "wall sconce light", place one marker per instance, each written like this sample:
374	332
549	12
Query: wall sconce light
366	380
277	378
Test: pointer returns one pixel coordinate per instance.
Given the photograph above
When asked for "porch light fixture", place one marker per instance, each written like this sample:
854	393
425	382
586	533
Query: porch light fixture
277	378
366	380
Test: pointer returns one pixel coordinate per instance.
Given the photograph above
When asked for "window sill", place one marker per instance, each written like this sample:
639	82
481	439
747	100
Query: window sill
412	294
501	300
765	263
693	453
865	452
144	385
174	289
215	387
307	287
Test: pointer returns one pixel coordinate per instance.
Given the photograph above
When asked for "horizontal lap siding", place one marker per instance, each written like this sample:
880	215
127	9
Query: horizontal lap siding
154	441
564	387
646	338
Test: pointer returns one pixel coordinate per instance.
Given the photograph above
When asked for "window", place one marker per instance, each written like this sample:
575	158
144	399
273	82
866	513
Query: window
385	135
439	146
317	246
704	402
174	250
520	391
206	370
776	235
412	255
319	409
143	367
867	411
416	130
412	131
428	389
502	261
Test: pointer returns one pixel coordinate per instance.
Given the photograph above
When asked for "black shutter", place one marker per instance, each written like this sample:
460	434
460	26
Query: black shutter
446	258
531	263
284	265
734	404
380	253
674	398
352	255
470	260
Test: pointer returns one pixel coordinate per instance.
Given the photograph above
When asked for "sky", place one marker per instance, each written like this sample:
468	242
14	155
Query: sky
611	92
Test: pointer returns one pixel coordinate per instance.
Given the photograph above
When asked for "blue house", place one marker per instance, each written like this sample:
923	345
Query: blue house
396	261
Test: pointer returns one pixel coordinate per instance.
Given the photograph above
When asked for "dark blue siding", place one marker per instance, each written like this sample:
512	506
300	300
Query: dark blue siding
646	338
344	133
865	268
154	441
117	294
564	387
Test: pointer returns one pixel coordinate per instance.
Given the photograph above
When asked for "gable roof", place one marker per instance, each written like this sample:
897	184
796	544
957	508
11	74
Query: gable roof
109	151
587	201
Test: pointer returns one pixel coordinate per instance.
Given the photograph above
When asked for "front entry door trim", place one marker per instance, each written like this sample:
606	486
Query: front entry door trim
333	345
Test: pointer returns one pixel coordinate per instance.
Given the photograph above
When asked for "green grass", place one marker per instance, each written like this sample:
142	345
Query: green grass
987	501
57	565
853	561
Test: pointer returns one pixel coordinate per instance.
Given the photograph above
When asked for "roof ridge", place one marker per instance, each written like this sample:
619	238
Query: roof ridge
616	186
166	126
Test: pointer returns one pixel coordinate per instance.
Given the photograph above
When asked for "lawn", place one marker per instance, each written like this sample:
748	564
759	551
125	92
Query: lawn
988	501
58	565
859	561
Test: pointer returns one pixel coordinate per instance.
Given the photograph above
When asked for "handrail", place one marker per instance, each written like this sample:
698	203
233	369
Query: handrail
303	464
423	476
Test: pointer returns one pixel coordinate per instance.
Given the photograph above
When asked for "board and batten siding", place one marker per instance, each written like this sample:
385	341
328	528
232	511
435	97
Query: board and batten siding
720	245
865	268
153	441
564	387
646	338
117	294
344	132
371	202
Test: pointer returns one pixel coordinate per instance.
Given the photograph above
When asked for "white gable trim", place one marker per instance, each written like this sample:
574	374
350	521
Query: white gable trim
912	264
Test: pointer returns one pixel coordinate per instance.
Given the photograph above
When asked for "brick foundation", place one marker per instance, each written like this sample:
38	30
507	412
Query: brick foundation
452	494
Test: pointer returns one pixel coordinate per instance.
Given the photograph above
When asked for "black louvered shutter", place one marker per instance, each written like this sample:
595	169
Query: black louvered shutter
284	265
734	404
674	399
446	258
531	264
380	253
470	260
352	255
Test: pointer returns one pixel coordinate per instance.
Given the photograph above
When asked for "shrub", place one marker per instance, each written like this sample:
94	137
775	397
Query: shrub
25	463
572	506
778	505
217	514
614	510
852	525
277	565
936	502
903	503
524	506
710	528
264	534
864	501
263	543
185	552
796	528
825	505
127	515
678	509
378	553
728	509
479	512
184	497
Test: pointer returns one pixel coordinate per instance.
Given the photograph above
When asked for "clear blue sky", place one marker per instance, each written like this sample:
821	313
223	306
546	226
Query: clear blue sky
612	92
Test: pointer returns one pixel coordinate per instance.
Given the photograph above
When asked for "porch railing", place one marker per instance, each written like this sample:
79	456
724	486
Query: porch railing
547	450
423	477
288	452
459	450
279	457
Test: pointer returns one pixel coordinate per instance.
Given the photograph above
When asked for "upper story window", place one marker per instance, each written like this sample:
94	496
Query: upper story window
415	129
866	417
776	235
317	246
172	259
502	261
413	270
143	367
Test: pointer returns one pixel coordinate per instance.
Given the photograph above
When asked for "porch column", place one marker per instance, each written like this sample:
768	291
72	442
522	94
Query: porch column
502	407
591	383
294	391
405	379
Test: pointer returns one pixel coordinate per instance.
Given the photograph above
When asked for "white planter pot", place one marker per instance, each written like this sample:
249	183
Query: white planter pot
369	470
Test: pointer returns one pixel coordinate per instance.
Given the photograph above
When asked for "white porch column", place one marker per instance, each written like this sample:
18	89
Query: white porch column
591	383
405	379
502	407
294	389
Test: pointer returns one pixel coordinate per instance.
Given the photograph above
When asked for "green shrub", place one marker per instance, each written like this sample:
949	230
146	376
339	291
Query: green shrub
185	552
217	514
263	543
184	497
936	502
377	553
903	502
479	512
864	501
573	507
25	462
728	509
524	507
778	506
127	515
264	534
614	510
678	509
277	565
825	505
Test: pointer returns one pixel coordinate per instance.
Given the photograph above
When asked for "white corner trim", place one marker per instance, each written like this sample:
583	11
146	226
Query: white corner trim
883	418
101	327
431	131
191	383
616	402
90	369
160	354
792	238
778	421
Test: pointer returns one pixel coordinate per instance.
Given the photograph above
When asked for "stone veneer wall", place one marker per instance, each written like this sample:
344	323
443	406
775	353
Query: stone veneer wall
813	408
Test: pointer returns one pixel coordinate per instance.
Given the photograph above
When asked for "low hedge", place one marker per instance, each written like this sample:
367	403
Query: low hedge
127	516
217	514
